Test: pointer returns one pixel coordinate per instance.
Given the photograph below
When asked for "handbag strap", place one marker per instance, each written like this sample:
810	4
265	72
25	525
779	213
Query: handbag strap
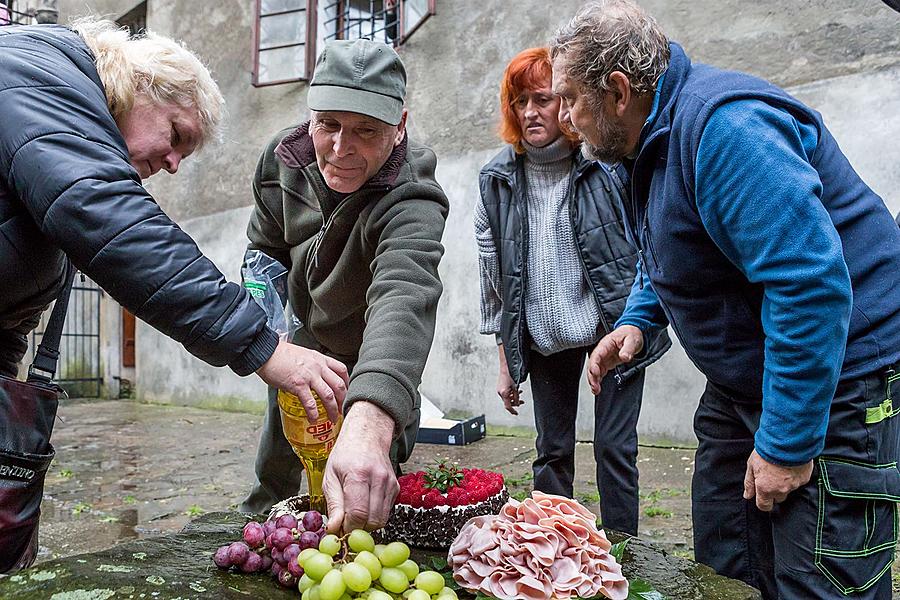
43	367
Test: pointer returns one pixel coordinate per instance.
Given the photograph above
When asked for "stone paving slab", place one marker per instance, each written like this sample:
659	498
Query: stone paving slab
178	566
126	471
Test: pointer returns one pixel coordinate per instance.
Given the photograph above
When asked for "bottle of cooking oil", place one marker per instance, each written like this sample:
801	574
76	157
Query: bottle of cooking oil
312	442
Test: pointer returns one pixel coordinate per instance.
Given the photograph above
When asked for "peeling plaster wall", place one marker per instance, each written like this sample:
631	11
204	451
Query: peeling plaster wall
842	58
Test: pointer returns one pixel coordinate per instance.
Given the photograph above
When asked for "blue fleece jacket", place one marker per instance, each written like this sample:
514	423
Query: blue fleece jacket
761	250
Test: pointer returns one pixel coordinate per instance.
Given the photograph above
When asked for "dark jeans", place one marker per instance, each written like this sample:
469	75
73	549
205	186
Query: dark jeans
555	381
831	538
14	345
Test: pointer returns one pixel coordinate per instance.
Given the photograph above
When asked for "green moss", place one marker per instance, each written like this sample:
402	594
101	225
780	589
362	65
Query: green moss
654	496
588	497
234	404
524	480
655	511
503	431
81	507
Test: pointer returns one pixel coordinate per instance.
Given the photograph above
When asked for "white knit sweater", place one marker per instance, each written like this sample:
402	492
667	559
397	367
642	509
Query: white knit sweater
561	311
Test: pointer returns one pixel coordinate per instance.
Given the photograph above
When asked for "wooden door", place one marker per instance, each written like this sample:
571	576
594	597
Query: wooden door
127	339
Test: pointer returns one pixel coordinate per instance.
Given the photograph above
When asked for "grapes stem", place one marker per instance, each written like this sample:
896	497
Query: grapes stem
345	547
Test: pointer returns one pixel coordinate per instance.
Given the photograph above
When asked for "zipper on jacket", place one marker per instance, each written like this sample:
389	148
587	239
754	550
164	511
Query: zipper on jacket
650	243
316	245
587	275
325	223
640	266
523	216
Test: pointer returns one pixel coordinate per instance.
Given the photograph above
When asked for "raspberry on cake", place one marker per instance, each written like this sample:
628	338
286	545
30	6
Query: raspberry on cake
433	505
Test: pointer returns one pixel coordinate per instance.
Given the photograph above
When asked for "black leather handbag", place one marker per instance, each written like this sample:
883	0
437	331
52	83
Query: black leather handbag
27	411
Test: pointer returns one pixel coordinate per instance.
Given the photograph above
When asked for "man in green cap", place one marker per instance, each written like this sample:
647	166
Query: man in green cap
352	209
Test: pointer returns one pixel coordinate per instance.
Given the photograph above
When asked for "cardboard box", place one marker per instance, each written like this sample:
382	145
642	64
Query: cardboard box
450	431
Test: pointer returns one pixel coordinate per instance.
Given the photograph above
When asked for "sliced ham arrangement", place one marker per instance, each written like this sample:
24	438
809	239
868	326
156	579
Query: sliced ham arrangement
543	547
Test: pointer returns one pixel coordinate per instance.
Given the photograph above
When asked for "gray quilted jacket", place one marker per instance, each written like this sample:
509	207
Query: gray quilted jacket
595	207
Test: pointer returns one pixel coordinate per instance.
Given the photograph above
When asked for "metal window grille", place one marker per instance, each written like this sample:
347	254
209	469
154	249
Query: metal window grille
390	21
79	370
10	16
287	33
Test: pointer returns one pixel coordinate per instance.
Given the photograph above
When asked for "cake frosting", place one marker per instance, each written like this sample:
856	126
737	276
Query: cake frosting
433	505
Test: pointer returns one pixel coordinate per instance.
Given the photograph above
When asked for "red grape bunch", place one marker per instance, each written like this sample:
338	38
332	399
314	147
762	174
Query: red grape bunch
273	546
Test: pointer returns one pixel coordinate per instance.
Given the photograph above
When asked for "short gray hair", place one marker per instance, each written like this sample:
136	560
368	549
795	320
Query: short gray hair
613	35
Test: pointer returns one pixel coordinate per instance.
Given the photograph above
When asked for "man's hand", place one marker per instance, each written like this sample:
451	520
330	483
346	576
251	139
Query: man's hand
360	485
619	346
770	483
506	386
296	369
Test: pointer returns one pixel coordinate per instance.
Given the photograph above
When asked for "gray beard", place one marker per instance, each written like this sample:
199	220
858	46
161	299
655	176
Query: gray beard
613	143
612	151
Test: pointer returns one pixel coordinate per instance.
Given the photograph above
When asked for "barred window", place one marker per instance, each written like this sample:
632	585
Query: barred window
281	41
289	33
12	14
389	21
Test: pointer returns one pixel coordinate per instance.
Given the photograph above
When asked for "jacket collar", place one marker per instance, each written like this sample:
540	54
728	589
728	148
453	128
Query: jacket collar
658	124
507	162
654	139
296	151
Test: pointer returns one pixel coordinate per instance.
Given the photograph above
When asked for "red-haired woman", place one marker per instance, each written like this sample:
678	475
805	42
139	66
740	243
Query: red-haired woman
556	270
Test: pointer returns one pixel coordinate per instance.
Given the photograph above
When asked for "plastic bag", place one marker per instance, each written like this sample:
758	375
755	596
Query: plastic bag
266	280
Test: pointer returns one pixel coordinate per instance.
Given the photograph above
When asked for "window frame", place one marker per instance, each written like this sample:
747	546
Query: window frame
308	44
432	10
312	30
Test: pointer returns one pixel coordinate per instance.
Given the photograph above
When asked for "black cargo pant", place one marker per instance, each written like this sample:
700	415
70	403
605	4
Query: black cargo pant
831	538
555	381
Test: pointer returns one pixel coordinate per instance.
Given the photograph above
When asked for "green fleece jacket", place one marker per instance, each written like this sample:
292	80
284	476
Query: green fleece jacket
363	268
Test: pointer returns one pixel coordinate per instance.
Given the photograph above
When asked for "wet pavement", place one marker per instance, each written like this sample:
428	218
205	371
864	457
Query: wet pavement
126	470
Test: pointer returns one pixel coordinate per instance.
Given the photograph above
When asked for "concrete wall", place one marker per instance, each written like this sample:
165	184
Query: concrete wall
841	57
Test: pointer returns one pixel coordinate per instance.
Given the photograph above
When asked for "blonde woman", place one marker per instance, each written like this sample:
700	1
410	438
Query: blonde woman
88	114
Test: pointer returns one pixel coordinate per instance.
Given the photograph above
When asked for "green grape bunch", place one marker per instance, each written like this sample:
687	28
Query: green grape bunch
354	566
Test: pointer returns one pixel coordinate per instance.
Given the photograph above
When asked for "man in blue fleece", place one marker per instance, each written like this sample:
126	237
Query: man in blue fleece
779	270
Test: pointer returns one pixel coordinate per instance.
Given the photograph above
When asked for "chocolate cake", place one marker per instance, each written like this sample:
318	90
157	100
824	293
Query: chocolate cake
433	505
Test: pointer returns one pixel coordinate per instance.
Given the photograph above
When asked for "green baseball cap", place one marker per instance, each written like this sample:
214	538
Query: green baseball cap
359	76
